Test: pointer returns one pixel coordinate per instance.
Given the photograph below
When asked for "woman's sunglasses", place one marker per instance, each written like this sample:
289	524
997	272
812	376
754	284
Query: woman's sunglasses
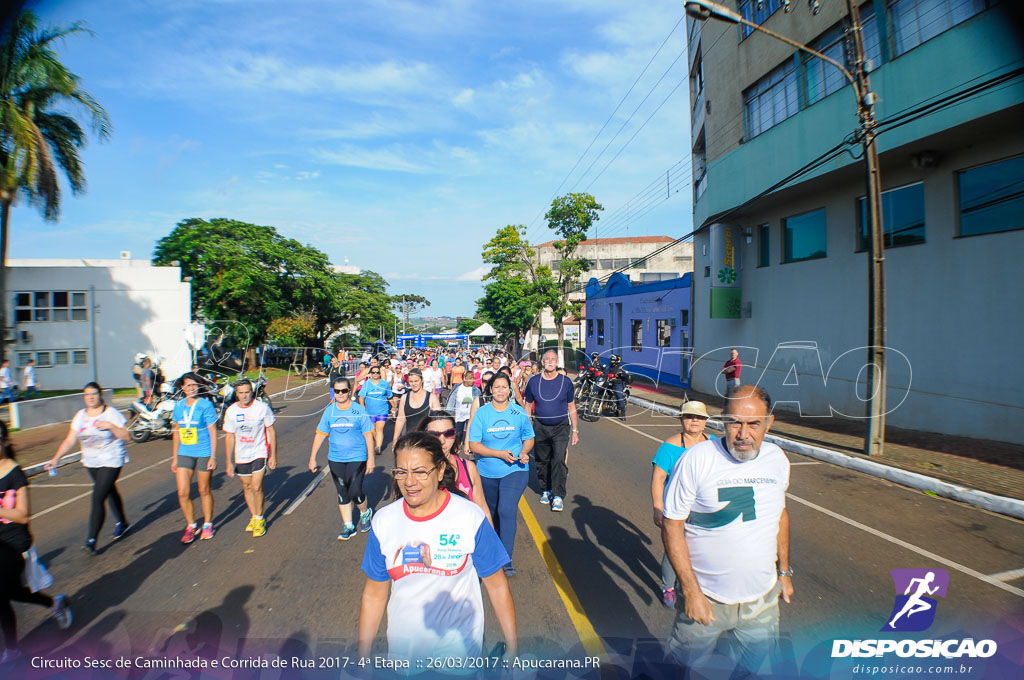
447	434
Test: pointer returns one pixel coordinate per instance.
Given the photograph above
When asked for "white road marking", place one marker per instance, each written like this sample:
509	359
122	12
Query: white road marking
86	495
991	580
306	492
56	486
1011	575
913	548
808	462
633	429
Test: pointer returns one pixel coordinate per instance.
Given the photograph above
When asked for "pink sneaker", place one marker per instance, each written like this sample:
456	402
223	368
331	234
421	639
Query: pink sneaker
207	532
190	534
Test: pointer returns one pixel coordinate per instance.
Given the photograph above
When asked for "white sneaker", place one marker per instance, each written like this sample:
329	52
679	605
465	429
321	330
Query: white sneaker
556	504
545	497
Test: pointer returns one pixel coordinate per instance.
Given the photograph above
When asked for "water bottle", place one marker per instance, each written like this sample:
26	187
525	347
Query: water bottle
53	471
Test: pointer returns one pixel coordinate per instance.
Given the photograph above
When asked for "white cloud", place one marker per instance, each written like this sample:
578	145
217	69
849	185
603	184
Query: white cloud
474	275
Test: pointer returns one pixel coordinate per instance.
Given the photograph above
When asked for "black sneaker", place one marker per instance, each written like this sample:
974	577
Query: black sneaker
90	547
120	530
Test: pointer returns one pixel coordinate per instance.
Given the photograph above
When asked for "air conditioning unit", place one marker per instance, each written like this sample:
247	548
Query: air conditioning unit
26	337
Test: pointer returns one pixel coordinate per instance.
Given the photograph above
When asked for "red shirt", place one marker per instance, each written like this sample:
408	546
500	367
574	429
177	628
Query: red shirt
735	374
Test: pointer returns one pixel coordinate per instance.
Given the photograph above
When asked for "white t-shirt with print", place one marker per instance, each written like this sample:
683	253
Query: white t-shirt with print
249	425
463	403
100	448
732	512
433	563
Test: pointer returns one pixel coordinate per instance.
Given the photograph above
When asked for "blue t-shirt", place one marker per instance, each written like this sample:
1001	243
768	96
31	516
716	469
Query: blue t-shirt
194	427
551	398
346	428
376	397
668	455
503	430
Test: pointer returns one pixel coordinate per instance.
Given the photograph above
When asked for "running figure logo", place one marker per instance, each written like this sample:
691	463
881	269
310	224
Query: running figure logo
914	610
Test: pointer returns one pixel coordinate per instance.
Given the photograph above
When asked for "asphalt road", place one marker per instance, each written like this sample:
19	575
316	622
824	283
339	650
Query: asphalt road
295	592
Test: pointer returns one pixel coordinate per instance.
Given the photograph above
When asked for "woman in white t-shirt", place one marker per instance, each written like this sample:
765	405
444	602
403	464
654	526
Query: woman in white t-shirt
102	432
425	556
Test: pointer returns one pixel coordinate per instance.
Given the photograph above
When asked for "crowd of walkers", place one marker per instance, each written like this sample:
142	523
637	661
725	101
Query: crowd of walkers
466	429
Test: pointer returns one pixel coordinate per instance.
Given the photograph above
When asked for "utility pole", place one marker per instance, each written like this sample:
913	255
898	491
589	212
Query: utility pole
877	379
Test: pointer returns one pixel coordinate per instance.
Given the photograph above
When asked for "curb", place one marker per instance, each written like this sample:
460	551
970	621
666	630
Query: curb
982	499
33	470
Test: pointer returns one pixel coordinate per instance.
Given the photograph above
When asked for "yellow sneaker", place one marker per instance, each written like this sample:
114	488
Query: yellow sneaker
259	528
251	525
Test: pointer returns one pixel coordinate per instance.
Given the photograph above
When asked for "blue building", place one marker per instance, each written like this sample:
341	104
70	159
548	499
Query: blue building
647	324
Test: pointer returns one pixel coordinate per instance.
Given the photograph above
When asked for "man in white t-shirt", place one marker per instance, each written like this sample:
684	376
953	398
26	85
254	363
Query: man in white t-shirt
726	532
29	375
250	443
6	383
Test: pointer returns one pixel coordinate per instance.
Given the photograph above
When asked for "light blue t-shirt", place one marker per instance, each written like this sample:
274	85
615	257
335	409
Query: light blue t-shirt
376	397
503	430
668	455
345	427
193	424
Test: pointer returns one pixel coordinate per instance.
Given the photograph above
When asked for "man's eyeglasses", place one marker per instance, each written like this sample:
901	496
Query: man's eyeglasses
344	391
447	434
419	474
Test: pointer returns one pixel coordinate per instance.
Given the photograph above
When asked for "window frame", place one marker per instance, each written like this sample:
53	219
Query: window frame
787	260
959	197
863	244
600	331
783	72
663	332
894	43
636	335
764	245
75	309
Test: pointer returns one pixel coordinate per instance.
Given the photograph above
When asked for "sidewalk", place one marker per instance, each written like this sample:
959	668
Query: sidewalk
37	445
995	467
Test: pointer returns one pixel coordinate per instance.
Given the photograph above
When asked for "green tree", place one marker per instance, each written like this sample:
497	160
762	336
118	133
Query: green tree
296	331
510	305
251	275
39	138
408	304
467	325
570	217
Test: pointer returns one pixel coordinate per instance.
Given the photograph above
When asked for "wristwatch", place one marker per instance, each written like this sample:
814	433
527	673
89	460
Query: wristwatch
788	572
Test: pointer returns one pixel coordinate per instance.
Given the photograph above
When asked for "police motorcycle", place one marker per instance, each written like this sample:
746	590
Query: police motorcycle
153	422
585	379
604	394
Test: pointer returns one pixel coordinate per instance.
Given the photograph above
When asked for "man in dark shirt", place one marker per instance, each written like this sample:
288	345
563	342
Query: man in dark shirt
550	396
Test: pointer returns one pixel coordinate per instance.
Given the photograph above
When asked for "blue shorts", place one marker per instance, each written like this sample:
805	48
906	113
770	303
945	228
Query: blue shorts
379	419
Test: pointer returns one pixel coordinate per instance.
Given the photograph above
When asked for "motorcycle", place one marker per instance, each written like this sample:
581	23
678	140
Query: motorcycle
157	421
584	383
602	395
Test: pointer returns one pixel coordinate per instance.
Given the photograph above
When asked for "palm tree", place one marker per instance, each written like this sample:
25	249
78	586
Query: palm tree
38	134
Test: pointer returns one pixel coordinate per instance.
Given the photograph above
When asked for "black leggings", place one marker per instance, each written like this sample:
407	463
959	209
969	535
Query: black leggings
348	480
103	489
11	567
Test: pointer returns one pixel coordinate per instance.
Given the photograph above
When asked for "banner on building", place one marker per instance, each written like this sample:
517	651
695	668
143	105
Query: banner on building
726	290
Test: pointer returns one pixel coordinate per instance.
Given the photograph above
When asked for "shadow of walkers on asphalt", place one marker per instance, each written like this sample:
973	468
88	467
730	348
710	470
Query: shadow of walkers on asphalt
596	580
620	537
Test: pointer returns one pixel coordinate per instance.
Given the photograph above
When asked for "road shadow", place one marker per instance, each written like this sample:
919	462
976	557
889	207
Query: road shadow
109	591
593	576
616	534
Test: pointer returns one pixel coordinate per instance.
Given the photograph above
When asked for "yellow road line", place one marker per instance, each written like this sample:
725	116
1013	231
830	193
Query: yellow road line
588	636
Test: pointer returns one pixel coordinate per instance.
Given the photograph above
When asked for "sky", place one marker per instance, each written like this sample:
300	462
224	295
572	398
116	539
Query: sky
397	136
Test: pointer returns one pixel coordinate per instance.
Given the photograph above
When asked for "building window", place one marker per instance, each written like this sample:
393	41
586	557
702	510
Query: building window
638	335
992	197
684	317
590	327
81	356
822	77
60	358
23	358
50	306
649	277
664	332
707	272
758	12
772	99
764	245
902	217
43	359
917	21
600	331
805	236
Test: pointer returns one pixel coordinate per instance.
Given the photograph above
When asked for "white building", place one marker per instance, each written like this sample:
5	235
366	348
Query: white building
649	258
84	320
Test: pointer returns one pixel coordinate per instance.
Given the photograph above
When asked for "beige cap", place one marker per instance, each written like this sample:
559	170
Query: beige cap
694	408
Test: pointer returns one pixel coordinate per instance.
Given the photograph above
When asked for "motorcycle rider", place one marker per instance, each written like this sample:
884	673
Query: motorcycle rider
619	378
